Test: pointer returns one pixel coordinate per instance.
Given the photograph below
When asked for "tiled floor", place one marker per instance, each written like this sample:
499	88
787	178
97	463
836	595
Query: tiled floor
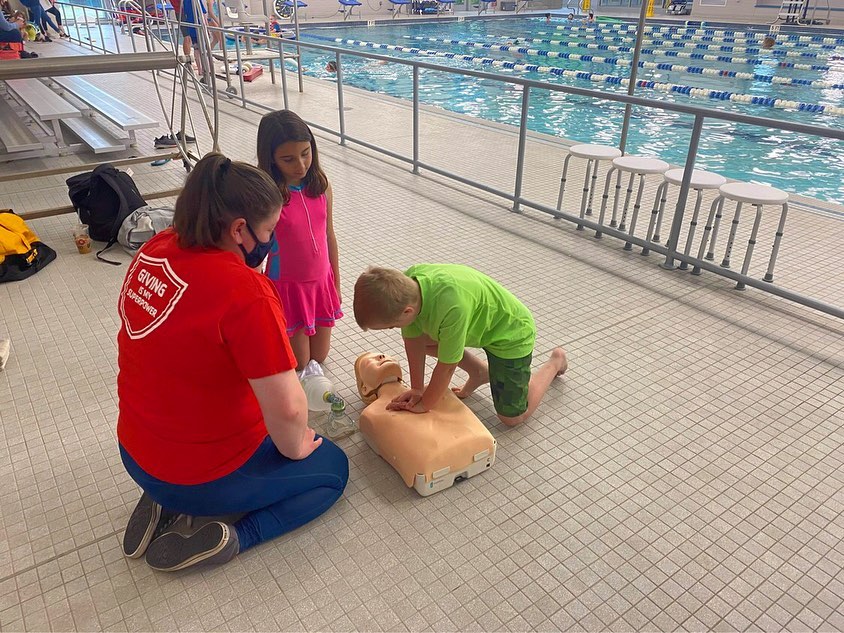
687	472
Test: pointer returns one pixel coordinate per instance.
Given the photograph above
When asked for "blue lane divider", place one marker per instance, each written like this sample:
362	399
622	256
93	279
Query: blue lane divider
615	61
713	34
700	47
681	54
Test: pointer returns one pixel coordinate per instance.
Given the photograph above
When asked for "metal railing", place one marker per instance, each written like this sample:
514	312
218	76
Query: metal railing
670	250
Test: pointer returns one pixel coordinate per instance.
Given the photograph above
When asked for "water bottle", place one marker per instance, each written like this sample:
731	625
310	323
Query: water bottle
339	423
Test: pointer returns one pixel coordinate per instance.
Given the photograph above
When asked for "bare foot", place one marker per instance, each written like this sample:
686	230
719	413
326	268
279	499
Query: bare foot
558	357
474	381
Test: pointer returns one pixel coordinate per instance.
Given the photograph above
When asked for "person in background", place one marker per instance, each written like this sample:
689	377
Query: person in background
11	32
768	43
38	17
50	9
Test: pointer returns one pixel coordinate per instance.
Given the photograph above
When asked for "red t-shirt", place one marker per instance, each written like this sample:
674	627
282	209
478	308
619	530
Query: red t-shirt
196	325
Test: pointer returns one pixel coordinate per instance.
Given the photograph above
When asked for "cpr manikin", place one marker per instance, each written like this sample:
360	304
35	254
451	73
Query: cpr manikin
429	450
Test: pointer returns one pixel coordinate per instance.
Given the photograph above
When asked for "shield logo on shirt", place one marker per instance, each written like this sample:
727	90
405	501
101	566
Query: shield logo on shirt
150	293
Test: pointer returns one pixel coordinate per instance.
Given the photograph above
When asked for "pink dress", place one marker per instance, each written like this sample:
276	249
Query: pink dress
299	266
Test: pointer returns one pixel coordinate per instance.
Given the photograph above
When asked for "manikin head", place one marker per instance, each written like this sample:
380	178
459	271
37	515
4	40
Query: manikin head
373	370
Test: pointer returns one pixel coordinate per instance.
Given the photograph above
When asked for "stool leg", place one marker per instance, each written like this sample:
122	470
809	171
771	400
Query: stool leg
662	199
716	204
592	187
692	228
617	197
725	263
750	244
769	275
660	195
563	182
623	224
636	206
710	254
604	198
590	167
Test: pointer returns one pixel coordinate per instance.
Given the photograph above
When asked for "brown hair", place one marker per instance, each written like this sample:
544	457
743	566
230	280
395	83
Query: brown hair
278	128
218	191
381	295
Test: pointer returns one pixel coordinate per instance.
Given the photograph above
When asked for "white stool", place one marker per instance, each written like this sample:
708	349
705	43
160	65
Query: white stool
593	154
701	180
636	166
758	196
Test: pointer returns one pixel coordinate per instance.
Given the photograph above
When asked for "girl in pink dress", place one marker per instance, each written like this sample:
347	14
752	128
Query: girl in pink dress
304	264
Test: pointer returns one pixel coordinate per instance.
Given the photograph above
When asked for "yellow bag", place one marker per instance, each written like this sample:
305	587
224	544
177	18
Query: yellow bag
16	238
21	252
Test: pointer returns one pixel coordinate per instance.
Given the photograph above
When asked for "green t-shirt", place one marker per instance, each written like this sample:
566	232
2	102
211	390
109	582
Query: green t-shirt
462	307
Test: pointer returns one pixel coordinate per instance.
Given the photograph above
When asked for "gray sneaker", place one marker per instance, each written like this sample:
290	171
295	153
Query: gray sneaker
148	520
212	544
5	351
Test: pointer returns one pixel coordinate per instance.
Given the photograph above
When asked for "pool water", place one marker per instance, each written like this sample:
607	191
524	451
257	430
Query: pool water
796	163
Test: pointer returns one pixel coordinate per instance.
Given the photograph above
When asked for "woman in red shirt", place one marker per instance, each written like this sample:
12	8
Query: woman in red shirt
213	420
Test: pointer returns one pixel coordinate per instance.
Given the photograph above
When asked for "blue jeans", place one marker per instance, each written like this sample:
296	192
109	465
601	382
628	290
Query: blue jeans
38	17
277	494
13	37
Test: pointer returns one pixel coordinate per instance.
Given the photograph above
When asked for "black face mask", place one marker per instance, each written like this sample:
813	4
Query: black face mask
256	255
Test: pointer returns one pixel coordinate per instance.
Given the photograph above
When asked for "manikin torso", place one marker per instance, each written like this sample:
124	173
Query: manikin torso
448	435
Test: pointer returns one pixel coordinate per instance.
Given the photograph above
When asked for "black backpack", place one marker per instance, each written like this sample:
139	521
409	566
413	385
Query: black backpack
103	198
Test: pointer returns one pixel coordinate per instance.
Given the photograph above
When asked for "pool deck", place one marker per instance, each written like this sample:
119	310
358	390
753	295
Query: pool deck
684	475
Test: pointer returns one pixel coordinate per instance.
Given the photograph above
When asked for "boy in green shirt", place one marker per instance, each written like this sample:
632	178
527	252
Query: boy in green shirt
444	308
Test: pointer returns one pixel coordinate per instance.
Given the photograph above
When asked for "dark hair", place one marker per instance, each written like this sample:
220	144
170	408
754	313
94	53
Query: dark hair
217	191
547	15
278	128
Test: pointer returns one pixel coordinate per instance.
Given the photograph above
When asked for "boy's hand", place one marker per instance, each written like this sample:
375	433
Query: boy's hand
416	408
410	400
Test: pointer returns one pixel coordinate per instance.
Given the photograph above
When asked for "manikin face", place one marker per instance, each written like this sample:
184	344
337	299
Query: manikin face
373	370
293	160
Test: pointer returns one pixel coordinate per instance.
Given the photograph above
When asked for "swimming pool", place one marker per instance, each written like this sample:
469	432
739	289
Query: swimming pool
796	163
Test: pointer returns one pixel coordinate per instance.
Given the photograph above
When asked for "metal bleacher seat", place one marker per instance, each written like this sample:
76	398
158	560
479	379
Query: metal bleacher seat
398	4
347	7
109	107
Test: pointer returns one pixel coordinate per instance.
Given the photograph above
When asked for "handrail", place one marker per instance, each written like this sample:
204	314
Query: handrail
83	65
670	249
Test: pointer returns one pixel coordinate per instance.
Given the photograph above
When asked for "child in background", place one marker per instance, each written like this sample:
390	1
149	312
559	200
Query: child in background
444	308
304	266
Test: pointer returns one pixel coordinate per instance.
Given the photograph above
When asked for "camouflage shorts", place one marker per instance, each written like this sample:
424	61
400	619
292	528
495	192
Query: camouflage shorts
509	379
